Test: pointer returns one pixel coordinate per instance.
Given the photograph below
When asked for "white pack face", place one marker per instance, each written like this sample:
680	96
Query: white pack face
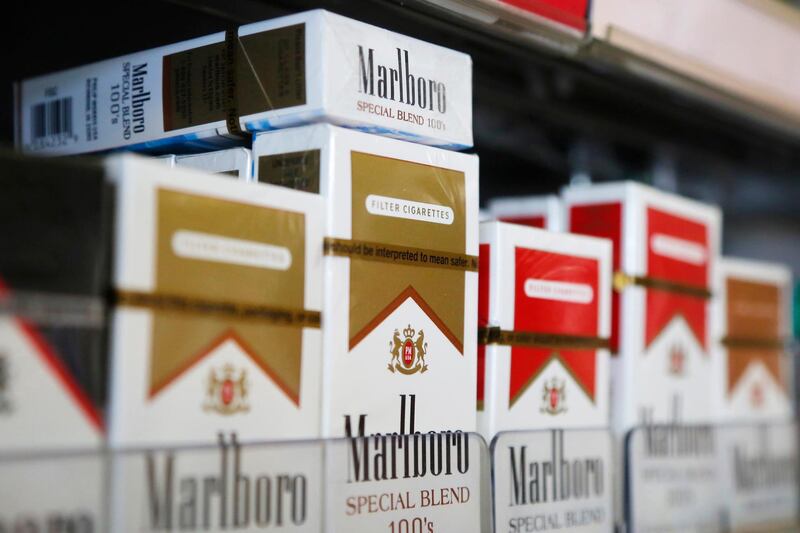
753	376
42	405
216	325
247	488
544	212
399	334
309	67
557	479
32	501
665	253
758	475
235	162
545	317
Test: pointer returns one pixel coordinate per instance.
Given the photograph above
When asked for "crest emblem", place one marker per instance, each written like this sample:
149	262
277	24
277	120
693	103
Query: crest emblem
408	354
5	403
757	396
554	397
677	360
226	392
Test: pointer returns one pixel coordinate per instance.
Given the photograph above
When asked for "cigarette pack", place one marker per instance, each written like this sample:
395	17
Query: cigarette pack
757	470
557	477
560	23
536	211
752	325
218	299
207	92
665	253
55	237
212	289
544	309
573	13
229	487
236	162
399	335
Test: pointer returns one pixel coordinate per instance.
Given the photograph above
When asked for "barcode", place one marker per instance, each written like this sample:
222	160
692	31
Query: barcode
51	118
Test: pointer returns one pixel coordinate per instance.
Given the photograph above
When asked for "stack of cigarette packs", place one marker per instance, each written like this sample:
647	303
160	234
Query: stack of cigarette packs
208	92
213	319
401	246
665	254
147	303
753	379
399	333
545	317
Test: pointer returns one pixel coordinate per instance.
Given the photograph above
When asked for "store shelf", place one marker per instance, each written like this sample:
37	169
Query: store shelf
726	478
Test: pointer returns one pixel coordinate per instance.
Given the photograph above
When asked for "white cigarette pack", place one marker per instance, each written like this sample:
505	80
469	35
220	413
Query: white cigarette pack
752	325
536	211
757	470
665	253
399	333
231	487
207	92
544	309
172	305
215	327
236	162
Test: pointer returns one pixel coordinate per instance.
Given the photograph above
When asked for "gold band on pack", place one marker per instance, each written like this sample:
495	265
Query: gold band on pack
495	335
753	344
399	255
280	316
622	280
232	44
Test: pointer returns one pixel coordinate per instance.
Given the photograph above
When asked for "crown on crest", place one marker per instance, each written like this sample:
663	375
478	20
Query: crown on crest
409	332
